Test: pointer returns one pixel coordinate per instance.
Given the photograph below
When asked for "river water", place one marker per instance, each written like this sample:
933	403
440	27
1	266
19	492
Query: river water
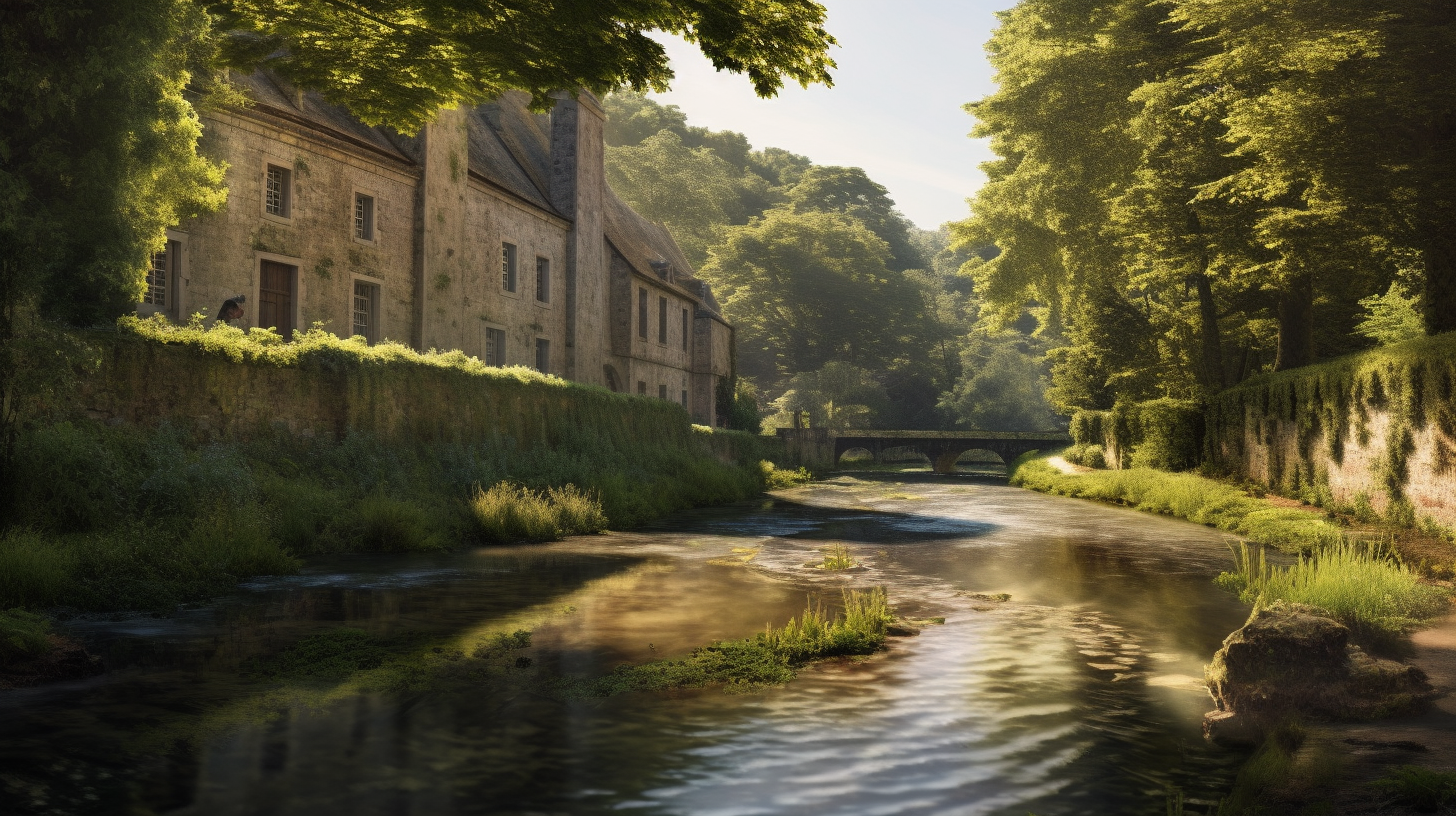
1078	695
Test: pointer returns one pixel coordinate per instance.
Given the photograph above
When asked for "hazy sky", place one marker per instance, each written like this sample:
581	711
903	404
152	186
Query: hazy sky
905	69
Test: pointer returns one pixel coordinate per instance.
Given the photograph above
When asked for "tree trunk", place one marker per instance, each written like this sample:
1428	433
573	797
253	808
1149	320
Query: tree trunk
1213	372
1296	323
1440	300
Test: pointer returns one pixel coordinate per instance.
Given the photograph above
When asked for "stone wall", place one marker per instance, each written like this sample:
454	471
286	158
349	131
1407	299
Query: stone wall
1376	429
211	395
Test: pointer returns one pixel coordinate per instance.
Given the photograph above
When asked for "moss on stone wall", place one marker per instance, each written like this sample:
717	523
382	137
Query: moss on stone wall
1162	433
1376	428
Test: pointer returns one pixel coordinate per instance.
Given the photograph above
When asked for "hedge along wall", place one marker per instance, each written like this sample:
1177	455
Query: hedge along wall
1377	427
1162	433
224	384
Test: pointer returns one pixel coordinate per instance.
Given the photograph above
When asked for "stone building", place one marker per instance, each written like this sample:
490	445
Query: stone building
493	231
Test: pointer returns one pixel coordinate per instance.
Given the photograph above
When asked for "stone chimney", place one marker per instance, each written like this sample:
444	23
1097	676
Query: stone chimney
578	189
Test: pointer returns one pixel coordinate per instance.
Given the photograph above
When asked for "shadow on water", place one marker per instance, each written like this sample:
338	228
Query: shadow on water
1080	694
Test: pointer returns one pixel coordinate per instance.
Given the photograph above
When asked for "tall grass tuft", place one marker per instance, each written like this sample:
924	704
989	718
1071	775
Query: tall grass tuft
23	635
508	512
838	557
34	571
1363	589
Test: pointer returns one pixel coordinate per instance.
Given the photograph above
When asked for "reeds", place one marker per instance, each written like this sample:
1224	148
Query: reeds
838	557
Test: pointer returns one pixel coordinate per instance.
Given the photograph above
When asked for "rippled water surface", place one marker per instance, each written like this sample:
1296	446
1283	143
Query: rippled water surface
1079	695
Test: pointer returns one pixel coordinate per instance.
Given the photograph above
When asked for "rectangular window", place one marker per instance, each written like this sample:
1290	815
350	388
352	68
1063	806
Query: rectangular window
684	398
495	347
366	310
508	267
543	356
662	320
685	330
662	392
276	192
642	313
543	280
642	387
363	217
160	276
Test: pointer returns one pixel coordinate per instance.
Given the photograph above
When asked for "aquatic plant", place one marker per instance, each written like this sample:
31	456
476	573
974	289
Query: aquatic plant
838	557
771	657
1367	590
1187	496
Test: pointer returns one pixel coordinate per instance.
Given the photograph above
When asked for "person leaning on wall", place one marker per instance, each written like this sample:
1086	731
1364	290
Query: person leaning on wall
232	309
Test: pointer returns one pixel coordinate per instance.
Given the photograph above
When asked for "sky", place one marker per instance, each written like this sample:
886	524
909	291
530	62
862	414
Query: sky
905	69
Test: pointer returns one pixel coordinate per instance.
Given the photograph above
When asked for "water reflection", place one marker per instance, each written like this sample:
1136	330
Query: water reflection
1078	695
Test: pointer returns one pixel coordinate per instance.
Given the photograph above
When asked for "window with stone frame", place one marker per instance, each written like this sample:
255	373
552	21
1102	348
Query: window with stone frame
366	310
642	313
508	267
161	278
495	347
543	280
363	217
278	191
543	355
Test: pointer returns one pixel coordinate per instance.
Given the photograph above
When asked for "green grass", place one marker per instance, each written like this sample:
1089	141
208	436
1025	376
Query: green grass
110	518
1363	589
23	635
769	658
1186	496
506	513
777	479
1422	789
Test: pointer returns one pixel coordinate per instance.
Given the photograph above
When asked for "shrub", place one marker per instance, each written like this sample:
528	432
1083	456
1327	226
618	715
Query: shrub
385	524
23	635
35	570
1087	427
1420	788
1168	435
776	479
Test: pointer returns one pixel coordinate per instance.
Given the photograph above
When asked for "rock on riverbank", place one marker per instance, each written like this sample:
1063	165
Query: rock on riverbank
1292	660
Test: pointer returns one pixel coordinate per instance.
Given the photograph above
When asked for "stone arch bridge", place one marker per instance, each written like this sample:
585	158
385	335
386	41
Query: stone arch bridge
821	448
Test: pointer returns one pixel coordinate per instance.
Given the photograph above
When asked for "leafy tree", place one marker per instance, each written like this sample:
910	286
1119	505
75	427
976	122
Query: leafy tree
838	396
1393	317
1004	390
687	189
397	62
97	157
632	118
850	191
805	289
779	166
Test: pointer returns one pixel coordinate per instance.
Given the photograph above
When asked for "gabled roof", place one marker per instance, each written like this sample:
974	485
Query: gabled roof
309	108
510	149
642	243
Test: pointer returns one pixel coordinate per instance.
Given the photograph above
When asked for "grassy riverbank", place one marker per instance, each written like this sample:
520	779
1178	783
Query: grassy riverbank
122	518
230	454
1366	587
1186	496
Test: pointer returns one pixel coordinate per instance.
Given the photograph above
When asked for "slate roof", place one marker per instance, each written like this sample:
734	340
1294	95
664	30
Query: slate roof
641	242
510	148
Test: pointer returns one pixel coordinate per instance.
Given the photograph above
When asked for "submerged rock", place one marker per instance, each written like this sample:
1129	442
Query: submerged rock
1291	660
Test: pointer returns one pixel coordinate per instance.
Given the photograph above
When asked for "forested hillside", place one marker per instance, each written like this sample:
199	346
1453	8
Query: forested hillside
844	309
1195	191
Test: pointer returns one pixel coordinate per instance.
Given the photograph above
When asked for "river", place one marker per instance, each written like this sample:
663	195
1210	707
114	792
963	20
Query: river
1080	694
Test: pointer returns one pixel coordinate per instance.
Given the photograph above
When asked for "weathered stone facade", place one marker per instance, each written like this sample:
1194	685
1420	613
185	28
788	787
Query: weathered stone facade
493	232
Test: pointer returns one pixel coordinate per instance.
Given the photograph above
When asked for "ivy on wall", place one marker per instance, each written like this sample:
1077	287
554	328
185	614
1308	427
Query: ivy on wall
1413	384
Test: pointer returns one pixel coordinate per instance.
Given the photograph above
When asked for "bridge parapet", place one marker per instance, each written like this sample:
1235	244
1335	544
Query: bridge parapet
820	448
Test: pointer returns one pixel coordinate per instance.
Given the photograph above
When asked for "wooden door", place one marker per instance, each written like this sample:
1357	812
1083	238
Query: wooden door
275	298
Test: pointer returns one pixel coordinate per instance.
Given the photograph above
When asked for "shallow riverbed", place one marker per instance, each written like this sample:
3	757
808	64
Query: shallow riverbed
1079	695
